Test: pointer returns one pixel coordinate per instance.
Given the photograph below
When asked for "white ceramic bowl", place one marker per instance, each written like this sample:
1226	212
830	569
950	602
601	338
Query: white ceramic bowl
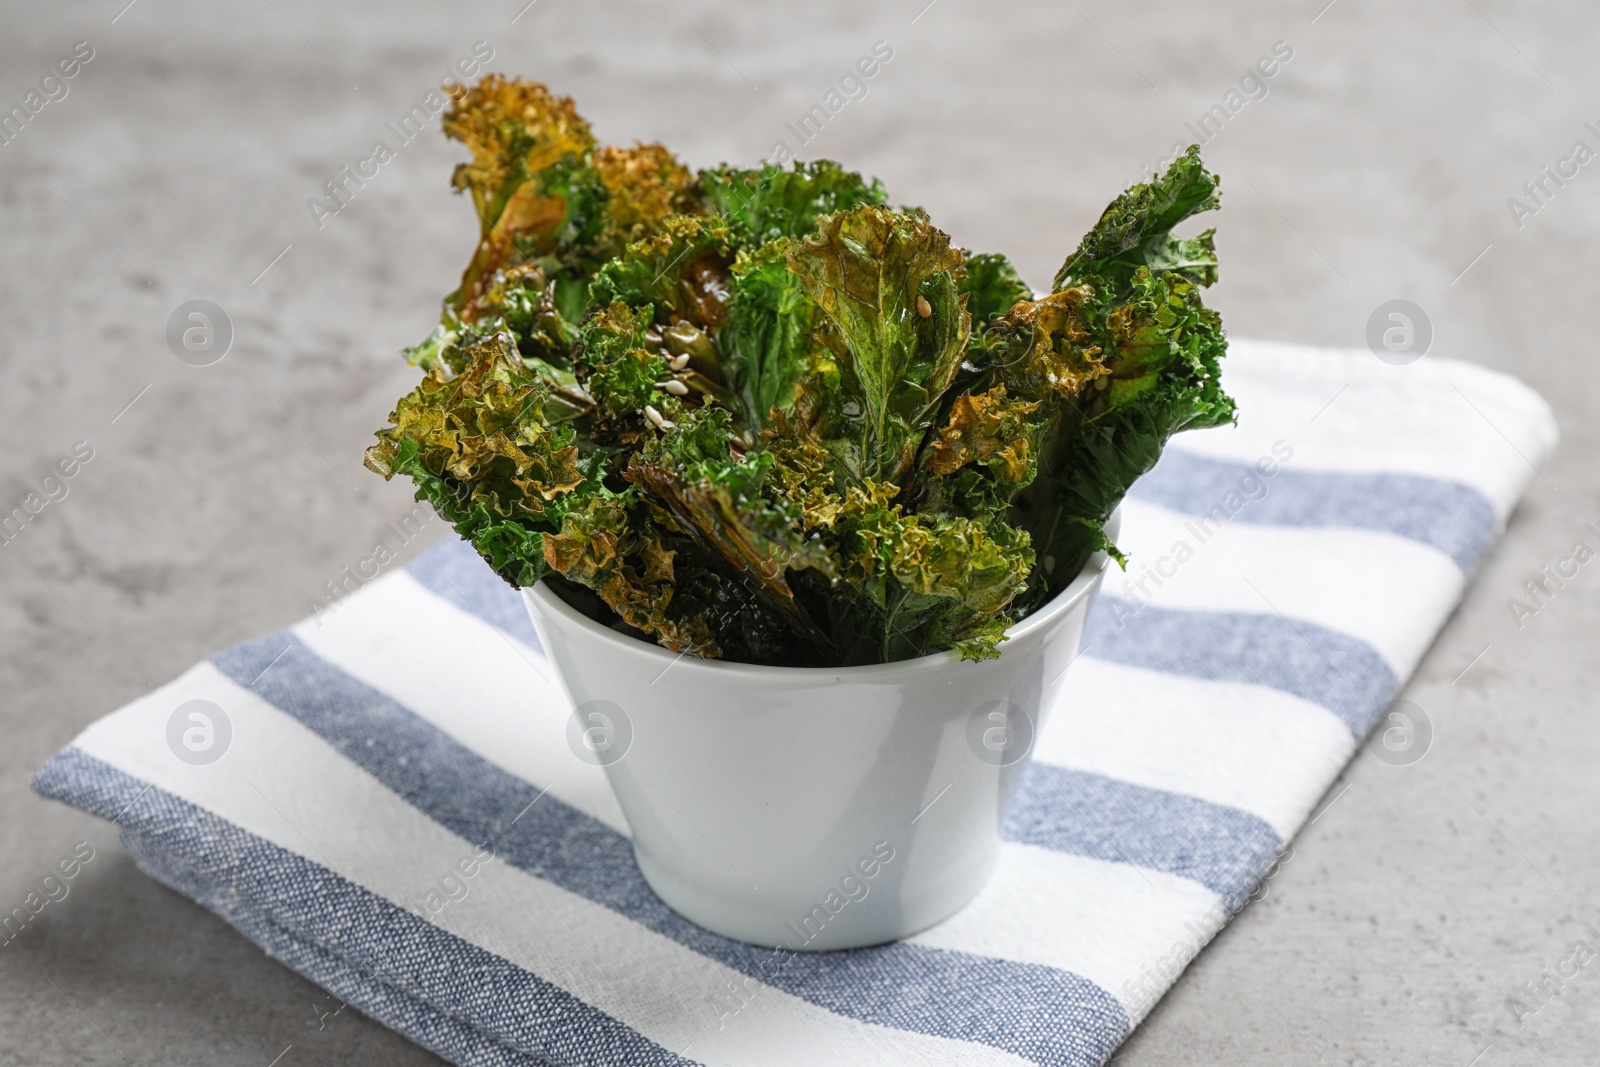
813	808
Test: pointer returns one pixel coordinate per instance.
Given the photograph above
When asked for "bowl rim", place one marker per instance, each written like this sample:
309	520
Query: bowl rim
1062	603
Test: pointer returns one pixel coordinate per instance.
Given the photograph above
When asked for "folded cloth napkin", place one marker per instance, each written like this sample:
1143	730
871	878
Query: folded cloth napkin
383	796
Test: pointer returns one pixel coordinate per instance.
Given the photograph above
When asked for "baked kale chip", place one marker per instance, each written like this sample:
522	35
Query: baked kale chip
760	414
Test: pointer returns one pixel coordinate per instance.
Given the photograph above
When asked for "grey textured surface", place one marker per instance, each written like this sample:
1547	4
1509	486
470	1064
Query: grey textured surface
179	165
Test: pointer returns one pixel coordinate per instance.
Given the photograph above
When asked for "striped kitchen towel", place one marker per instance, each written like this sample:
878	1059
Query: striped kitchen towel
383	796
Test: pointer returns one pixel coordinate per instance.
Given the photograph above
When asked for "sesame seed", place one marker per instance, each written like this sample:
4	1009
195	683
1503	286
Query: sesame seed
655	416
679	362
676	388
923	307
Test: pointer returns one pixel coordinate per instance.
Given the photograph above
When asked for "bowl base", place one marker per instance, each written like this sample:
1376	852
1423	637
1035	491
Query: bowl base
876	919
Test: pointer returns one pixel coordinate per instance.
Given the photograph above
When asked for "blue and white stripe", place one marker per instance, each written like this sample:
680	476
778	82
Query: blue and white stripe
1218	693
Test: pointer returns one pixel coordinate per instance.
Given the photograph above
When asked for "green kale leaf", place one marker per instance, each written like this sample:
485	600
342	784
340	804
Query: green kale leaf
1122	355
766	204
480	449
886	281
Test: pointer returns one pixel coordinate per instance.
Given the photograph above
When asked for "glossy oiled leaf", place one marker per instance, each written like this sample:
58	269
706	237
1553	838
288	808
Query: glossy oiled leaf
992	286
766	204
514	129
885	279
644	185
520	136
481	449
1136	229
715	495
1050	349
1139	360
990	428
618	362
611	546
767	341
681	271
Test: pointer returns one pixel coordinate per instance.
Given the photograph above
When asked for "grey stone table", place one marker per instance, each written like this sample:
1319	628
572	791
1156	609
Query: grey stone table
1376	163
